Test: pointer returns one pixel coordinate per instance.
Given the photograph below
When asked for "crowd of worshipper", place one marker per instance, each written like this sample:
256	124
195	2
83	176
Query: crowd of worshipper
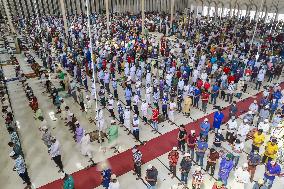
12	128
196	62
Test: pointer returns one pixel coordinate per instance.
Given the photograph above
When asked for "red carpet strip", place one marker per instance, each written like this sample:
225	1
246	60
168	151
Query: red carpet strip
123	163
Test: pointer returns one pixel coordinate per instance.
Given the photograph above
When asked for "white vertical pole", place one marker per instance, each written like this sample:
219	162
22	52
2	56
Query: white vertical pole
94	91
172	12
107	16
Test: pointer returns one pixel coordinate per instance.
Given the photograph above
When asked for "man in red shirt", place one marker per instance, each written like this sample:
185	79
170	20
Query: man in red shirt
207	85
204	98
173	157
226	70
191	143
248	71
199	83
231	78
155	115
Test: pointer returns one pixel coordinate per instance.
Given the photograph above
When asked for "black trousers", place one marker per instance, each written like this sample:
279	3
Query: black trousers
112	113
254	148
211	167
25	177
82	106
136	134
145	119
181	145
58	162
137	169
173	169
136	111
128	103
245	87
121	119
115	94
264	158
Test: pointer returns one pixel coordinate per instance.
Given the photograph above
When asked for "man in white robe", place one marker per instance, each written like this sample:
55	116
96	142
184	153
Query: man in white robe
127	119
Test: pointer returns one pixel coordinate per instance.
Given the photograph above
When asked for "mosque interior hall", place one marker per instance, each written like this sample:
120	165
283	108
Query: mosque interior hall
145	94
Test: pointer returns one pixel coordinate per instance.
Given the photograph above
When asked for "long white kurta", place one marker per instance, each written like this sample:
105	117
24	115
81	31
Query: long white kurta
148	95
241	180
172	110
89	109
144	107
86	146
243	130
264	126
127	119
101	121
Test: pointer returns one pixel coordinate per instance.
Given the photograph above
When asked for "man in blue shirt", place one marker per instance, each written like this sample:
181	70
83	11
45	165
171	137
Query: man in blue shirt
214	93
128	95
272	169
197	93
200	150
204	129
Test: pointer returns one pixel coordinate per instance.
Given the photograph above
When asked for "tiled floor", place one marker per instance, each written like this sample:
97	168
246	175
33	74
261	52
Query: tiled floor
40	166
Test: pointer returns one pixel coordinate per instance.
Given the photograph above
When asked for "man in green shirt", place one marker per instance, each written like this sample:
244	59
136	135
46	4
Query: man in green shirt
61	75
68	182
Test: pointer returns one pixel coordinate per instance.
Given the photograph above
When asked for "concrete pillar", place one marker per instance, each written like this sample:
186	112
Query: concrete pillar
64	17
8	14
107	15
172	12
143	16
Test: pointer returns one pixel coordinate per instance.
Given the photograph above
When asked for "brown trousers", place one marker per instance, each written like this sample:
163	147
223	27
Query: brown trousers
251	170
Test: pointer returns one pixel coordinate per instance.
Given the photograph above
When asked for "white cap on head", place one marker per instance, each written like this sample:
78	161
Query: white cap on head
77	122
266	106
205	119
174	148
113	176
245	165
266	120
192	131
198	168
112	121
245	120
12	154
44	127
87	97
250	112
273	162
187	155
150	166
260	181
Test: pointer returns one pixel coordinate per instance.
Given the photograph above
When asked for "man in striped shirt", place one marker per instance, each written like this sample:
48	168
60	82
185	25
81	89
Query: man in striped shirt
137	159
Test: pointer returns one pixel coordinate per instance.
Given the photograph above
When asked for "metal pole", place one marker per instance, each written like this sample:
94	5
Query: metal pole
94	91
